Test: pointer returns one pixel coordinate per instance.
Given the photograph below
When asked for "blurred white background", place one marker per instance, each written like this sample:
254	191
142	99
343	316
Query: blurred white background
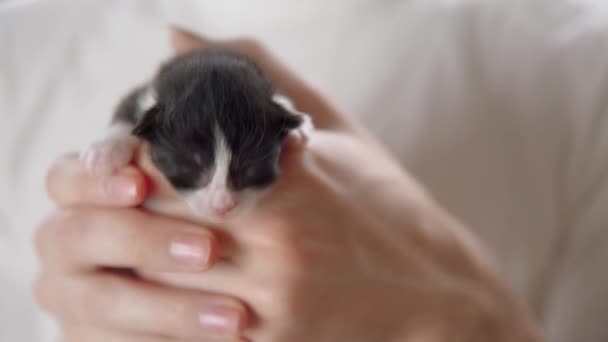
480	100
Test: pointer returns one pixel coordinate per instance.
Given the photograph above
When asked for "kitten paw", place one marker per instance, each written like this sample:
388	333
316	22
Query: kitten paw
109	155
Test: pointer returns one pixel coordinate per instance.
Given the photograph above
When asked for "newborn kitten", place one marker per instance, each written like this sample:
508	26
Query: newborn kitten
215	126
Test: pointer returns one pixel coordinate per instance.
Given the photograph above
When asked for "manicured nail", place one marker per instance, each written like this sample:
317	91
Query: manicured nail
121	186
190	250
221	320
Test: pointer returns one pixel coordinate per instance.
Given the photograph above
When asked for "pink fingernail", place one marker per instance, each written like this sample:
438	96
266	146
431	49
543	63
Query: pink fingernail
190	250
123	187
221	320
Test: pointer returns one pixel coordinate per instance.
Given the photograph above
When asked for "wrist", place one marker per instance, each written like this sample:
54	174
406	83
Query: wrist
497	316
482	327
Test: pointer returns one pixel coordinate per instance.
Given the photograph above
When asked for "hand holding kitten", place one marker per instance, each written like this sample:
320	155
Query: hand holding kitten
335	251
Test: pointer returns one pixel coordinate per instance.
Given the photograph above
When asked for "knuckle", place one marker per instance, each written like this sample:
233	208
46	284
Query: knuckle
95	299
76	333
136	242
177	317
291	251
40	239
50	182
279	297
54	230
68	225
284	294
176	320
43	292
59	180
294	253
68	333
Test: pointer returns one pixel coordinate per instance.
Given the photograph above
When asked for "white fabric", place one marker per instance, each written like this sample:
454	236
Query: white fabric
498	107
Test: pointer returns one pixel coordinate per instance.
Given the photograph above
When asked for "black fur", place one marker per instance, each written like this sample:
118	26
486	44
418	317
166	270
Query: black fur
128	109
197	92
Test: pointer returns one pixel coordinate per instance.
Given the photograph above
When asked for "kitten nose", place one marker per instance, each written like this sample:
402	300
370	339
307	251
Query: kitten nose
222	202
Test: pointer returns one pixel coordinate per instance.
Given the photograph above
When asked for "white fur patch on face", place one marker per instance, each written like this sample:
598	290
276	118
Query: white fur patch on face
216	199
223	157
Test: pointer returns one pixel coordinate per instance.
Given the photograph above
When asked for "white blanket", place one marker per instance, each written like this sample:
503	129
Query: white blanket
498	107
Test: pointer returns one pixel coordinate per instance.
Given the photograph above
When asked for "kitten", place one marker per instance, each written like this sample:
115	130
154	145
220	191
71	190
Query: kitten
215	126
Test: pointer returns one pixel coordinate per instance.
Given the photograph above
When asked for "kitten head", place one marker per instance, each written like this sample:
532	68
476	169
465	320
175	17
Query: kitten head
216	129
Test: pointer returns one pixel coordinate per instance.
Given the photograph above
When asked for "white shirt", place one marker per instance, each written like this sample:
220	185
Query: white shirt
500	108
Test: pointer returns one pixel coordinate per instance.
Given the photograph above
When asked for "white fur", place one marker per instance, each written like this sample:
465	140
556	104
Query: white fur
146	100
284	102
216	199
223	157
302	133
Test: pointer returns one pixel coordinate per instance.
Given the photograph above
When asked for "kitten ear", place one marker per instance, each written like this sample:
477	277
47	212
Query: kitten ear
283	102
292	121
291	118
146	126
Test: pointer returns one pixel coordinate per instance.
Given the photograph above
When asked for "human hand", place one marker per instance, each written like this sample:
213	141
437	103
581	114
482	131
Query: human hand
335	252
347	247
89	248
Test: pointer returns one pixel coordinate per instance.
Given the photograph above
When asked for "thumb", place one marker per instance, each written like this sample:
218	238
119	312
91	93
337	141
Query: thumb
184	41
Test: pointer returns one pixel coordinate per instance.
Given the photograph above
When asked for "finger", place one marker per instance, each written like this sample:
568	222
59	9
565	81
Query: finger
84	238
305	97
68	183
73	332
112	302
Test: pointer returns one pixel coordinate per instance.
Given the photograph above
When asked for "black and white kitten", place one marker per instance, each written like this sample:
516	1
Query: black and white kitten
215	126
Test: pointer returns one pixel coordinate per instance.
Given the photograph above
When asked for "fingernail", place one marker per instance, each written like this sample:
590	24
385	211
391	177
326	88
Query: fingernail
190	250
121	186
221	320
